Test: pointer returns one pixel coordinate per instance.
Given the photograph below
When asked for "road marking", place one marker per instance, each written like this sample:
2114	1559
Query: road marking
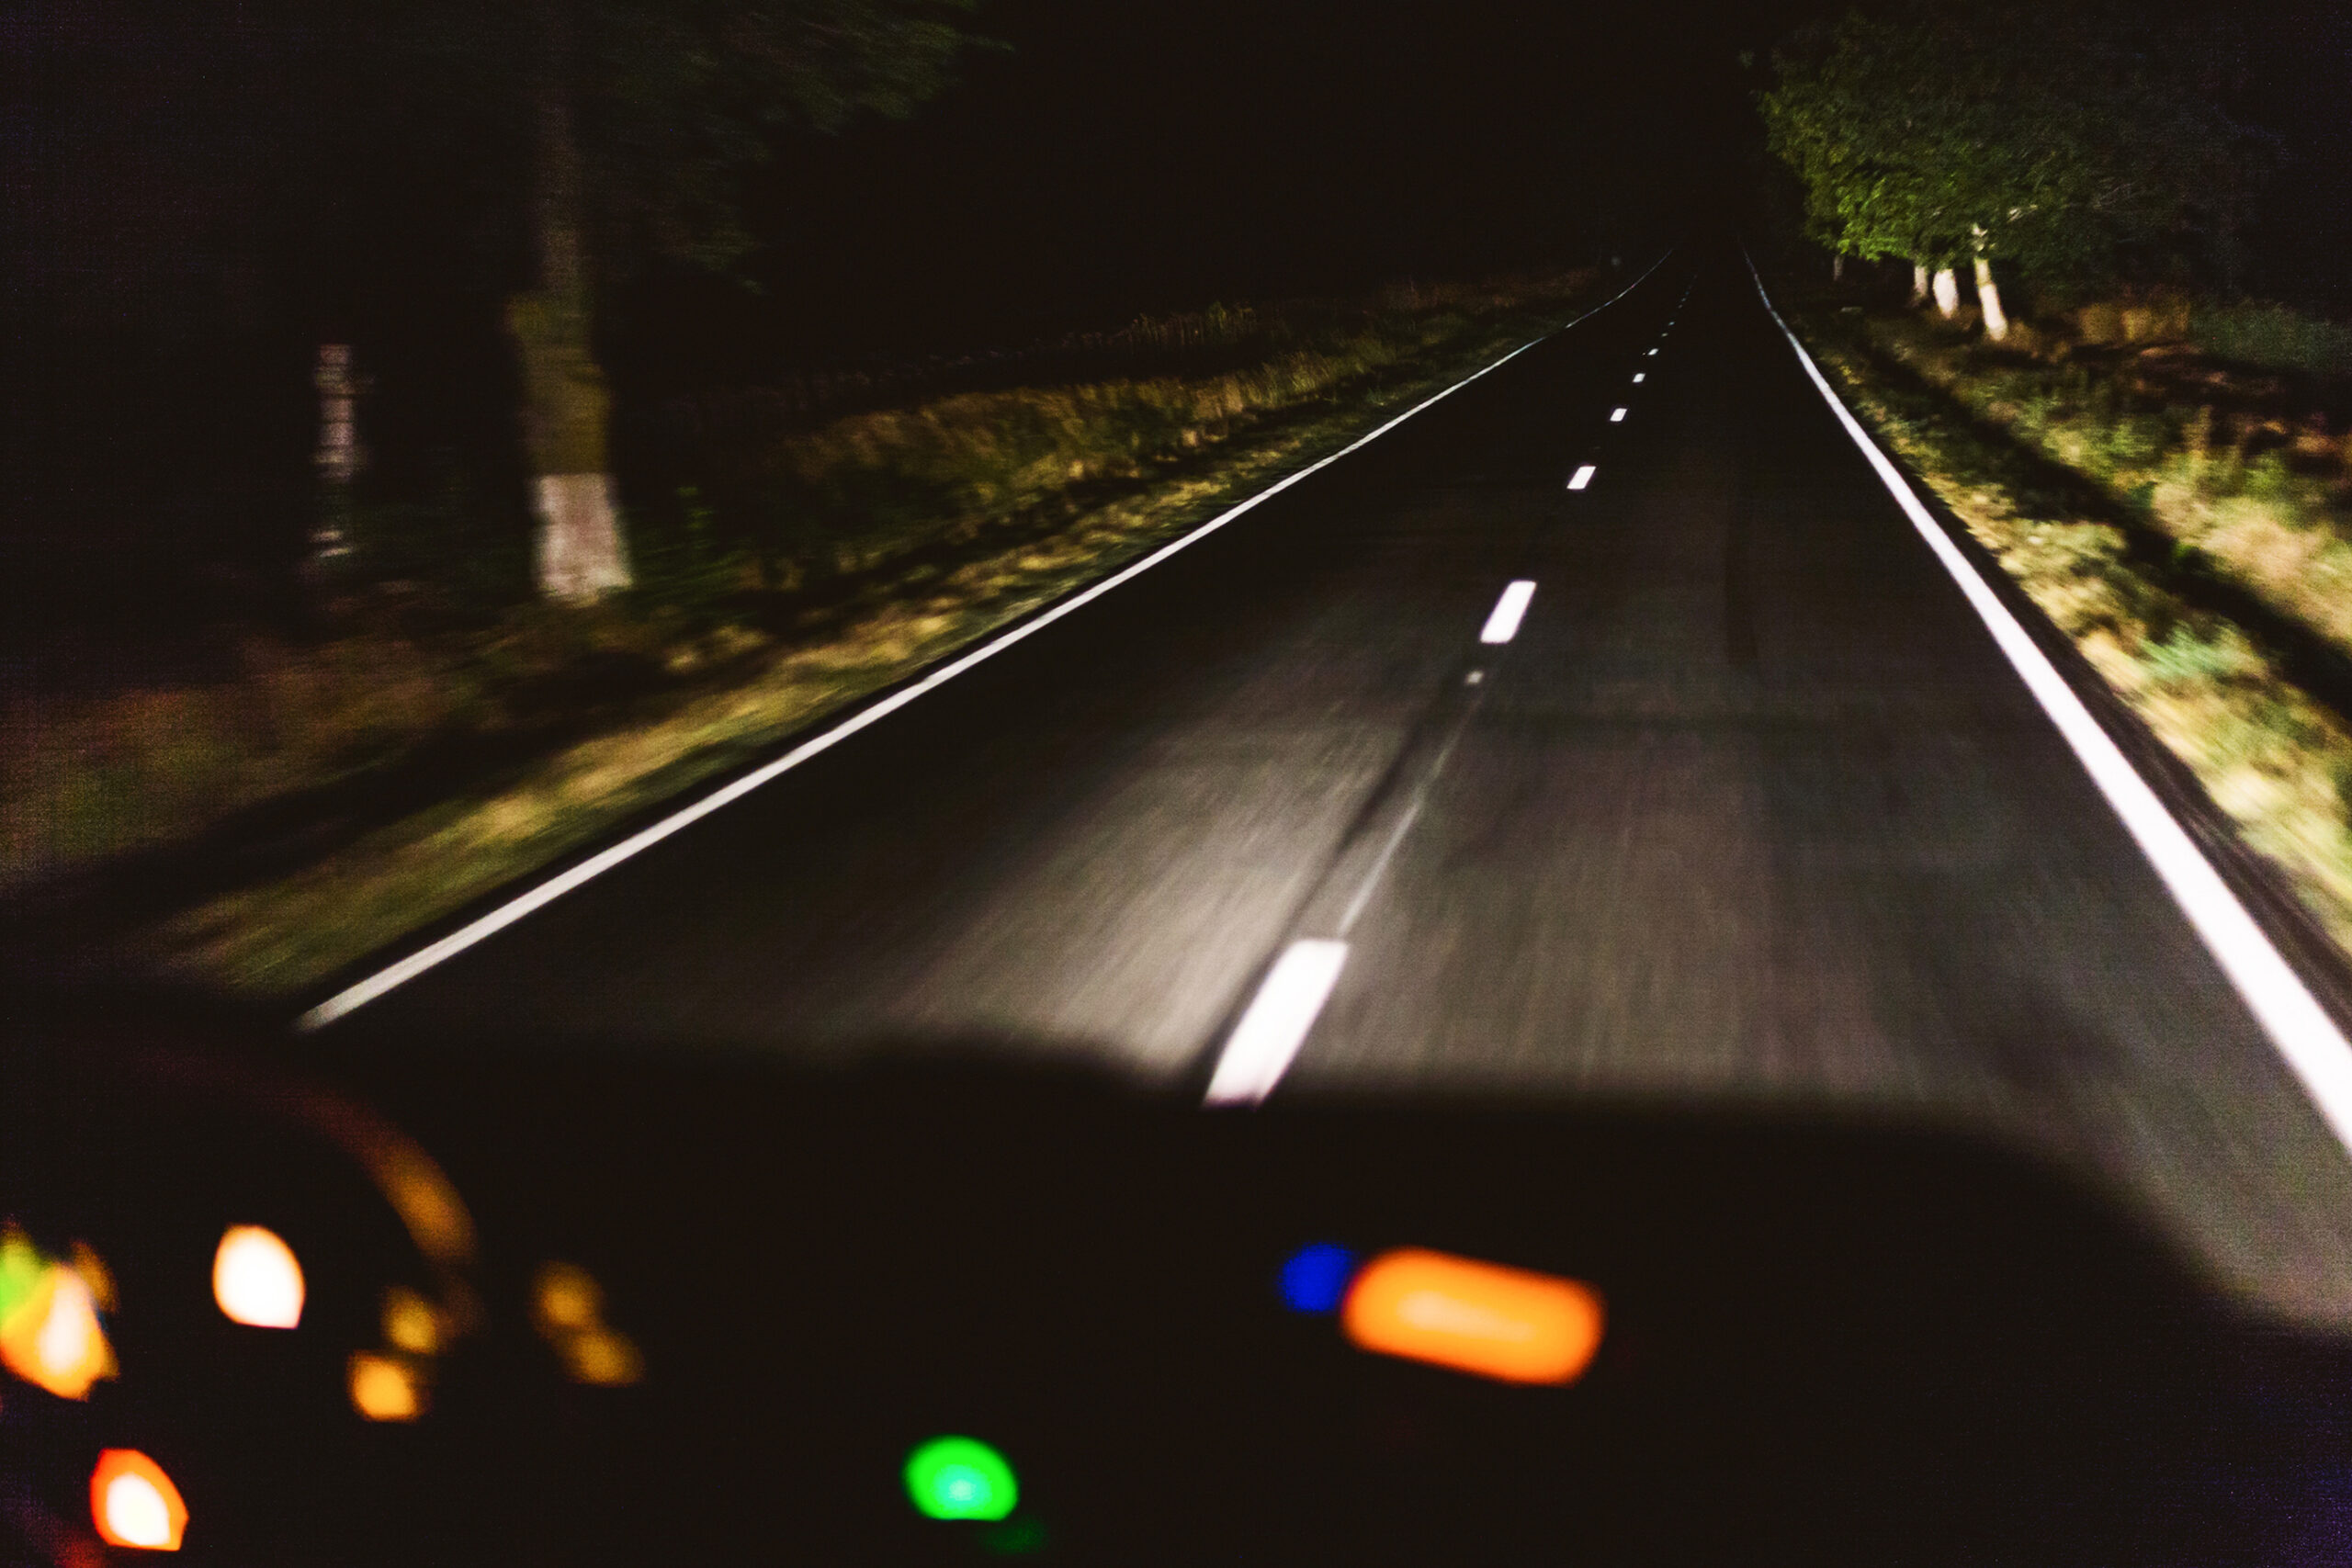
1261	1047
1639	376
361	992
2299	1027
1653	354
1581	477
1503	624
1617	416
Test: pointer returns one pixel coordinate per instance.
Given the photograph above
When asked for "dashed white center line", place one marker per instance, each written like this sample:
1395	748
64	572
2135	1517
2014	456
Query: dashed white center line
1503	624
1261	1047
1639	376
1583	478
1617	416
1653	354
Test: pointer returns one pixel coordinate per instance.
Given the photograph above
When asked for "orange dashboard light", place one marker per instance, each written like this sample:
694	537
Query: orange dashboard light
1481	1319
133	1503
52	1339
386	1388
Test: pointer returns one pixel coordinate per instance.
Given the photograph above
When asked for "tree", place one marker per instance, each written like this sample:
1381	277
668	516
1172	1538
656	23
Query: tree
2058	137
635	122
642	114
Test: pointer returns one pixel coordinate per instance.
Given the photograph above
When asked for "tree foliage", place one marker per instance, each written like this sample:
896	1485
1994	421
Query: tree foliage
677	96
671	101
2067	136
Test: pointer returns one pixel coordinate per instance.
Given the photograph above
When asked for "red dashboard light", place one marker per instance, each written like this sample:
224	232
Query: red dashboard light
134	1504
1482	1318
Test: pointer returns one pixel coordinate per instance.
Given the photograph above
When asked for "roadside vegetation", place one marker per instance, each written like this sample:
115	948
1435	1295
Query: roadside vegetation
297	802
2170	483
2159	462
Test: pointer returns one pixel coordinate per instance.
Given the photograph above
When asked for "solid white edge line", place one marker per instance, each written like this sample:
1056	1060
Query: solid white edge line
1582	477
360	993
2299	1027
1503	624
1260	1049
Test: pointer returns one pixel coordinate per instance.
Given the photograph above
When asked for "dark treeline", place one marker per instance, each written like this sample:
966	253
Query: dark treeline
203	191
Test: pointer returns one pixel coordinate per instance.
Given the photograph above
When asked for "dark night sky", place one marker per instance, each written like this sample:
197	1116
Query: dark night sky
1155	152
1119	156
1158	153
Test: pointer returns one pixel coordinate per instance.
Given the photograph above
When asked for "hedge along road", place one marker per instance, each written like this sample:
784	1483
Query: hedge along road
1605	730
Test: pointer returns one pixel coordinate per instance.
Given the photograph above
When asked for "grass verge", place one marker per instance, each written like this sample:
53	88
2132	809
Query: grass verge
2199	570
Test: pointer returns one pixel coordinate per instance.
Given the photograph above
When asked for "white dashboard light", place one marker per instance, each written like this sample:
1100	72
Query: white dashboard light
256	1279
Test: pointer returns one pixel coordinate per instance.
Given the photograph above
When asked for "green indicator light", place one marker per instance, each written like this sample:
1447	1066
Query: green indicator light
959	1478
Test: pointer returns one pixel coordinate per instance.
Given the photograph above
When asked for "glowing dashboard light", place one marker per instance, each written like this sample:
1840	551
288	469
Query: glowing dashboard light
256	1279
565	1299
960	1478
385	1388
1512	1324
21	1267
409	1323
1315	1278
568	1308
50	1336
134	1504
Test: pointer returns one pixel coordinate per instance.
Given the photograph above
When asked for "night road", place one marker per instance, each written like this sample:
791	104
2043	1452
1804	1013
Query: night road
1746	806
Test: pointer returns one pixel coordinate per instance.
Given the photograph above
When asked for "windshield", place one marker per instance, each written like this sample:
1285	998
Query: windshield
882	781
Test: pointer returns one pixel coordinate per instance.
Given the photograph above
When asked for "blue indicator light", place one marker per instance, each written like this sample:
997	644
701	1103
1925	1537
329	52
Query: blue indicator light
1315	1279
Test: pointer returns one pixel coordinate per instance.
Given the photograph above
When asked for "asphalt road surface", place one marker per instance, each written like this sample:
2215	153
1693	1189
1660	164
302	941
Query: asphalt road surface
1749	808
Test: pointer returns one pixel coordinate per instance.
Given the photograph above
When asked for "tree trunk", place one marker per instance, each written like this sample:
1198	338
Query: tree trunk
566	407
1918	284
1988	294
338	459
1947	293
1838	267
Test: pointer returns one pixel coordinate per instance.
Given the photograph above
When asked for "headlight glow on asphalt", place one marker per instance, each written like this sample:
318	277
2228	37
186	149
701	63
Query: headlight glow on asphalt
1261	1045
